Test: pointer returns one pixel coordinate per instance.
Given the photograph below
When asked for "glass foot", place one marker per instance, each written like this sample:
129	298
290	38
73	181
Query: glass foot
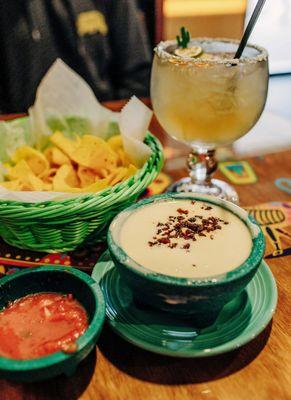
215	188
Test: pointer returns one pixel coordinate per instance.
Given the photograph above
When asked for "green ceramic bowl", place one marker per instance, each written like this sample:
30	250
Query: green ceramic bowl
201	297
62	280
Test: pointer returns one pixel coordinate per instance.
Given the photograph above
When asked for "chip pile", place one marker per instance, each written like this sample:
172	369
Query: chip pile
85	164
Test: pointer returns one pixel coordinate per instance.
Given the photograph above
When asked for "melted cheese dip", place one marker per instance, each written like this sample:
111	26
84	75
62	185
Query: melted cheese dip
220	243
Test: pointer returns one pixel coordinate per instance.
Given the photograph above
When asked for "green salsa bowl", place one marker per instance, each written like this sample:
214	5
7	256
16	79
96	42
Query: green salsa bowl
203	297
61	280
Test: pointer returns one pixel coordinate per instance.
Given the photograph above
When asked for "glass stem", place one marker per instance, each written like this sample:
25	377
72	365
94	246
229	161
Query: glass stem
202	164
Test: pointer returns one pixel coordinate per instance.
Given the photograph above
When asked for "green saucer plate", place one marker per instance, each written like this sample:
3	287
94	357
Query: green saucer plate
238	323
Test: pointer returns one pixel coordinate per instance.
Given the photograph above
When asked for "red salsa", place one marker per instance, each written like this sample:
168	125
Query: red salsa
40	324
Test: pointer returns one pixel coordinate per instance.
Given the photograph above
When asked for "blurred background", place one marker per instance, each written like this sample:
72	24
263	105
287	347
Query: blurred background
110	44
224	18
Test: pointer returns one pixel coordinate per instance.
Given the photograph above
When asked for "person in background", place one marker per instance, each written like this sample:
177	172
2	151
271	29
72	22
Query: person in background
102	40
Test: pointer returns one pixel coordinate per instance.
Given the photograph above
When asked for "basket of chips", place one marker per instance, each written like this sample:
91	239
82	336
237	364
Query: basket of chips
66	171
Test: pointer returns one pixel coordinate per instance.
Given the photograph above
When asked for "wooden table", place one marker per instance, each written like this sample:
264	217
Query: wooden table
260	370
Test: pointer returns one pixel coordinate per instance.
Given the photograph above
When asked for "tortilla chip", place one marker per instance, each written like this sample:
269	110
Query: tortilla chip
123	159
131	170
72	178
34	158
95	154
48	178
117	175
88	164
86	175
120	174
19	171
59	180
34	183
28	180
67	146
97	186
56	156
15	184
115	142
60	184
66	180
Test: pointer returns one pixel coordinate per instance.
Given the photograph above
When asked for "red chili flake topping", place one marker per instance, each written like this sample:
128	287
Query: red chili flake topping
186	227
164	240
193	202
181	211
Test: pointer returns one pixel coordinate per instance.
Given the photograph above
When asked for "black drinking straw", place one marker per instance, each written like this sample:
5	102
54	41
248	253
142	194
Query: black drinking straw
249	28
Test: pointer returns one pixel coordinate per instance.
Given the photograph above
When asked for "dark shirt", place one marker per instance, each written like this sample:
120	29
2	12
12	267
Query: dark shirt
103	40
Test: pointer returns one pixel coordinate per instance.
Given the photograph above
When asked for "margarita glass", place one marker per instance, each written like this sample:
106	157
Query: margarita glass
207	101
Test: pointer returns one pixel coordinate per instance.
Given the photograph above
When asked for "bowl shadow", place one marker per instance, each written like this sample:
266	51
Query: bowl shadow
159	369
60	387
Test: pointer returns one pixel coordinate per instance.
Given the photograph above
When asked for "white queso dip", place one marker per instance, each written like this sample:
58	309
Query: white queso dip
185	238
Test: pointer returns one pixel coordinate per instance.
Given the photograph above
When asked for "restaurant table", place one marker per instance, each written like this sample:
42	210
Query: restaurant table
117	370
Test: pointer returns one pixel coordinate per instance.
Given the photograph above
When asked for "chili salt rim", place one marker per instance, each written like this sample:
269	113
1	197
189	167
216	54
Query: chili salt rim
164	55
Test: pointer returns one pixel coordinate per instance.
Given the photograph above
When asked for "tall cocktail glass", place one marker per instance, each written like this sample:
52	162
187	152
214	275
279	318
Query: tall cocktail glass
208	101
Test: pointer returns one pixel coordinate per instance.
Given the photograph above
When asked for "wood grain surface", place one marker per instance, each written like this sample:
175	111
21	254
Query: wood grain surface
261	370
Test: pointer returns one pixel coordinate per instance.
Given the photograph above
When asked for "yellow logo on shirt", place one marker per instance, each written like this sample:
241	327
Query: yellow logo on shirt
90	22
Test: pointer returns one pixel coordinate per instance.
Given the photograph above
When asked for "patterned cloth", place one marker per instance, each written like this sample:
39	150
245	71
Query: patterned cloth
274	218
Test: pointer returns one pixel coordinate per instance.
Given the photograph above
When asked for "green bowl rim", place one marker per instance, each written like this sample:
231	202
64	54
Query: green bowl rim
254	259
12	365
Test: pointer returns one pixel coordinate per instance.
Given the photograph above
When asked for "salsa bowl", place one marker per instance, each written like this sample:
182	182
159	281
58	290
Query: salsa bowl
64	280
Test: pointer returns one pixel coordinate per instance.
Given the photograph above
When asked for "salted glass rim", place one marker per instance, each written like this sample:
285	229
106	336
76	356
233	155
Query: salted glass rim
162	53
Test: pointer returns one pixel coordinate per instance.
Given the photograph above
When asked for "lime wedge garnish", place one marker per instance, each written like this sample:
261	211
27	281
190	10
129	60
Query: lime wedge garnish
189	52
210	57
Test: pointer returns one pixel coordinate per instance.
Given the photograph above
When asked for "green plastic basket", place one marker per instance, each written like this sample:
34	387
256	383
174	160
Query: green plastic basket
58	226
